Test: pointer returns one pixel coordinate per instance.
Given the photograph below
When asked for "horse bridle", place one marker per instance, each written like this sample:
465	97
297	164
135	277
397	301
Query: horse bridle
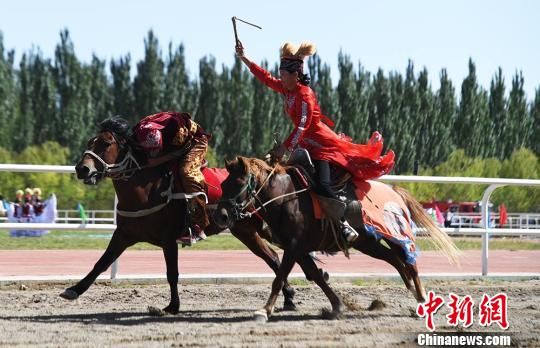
239	206
122	170
252	196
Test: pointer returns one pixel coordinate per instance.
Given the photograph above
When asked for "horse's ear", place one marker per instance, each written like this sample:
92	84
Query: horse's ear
243	164
229	165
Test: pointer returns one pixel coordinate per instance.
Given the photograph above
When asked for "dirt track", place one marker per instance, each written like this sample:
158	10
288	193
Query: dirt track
220	315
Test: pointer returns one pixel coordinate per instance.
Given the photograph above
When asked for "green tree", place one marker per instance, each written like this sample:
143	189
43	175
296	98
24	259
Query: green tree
8	95
363	91
441	142
237	111
101	101
534	139
347	97
122	89
425	121
321	83
264	106
497	115
178	94
43	98
73	120
391	127
209	105
473	119
25	121
148	86
403	124
518	126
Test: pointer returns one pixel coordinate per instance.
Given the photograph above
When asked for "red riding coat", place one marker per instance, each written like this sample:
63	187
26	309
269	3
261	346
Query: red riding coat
362	161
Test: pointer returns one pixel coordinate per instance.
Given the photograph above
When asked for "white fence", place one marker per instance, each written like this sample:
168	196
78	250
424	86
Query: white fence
484	230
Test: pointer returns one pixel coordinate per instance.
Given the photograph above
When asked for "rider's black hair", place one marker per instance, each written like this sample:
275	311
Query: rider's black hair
304	79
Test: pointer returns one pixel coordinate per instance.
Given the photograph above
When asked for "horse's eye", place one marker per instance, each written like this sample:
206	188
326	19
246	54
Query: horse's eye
91	142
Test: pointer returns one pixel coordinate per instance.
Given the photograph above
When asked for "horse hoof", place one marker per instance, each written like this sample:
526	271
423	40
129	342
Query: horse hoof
325	275
331	315
289	307
69	294
171	310
260	316
156	312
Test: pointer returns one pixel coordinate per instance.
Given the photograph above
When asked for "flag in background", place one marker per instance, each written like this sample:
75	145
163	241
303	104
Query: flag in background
503	215
439	215
82	213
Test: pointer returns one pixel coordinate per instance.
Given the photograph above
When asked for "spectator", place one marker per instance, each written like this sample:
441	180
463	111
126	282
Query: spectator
37	202
18	197
18	203
27	208
2	207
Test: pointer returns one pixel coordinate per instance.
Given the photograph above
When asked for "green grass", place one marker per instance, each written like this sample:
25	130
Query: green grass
78	240
494	244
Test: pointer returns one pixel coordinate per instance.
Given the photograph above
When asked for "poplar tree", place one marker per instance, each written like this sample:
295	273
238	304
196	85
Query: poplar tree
8	95
178	95
237	110
122	89
473	118
209	105
149	83
441	144
534	139
72	119
518	126
495	146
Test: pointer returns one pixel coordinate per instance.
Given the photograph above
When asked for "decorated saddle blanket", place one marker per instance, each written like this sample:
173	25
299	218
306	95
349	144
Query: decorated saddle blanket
385	215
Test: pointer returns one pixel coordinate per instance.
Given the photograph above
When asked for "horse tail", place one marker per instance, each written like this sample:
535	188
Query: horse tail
438	237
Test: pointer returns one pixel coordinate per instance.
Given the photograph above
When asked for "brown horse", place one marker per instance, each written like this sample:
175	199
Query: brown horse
145	214
290	215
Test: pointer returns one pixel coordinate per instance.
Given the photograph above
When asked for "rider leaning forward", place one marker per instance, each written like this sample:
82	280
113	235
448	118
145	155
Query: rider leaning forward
312	129
168	135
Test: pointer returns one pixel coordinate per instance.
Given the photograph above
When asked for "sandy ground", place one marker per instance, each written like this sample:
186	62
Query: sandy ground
221	315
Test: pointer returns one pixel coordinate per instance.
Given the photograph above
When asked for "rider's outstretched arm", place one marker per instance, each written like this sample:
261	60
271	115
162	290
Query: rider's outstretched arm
260	73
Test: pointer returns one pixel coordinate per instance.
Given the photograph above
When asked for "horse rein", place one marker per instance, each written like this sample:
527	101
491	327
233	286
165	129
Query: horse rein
252	196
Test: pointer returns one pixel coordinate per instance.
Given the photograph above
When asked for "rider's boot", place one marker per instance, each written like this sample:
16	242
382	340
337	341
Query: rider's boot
334	209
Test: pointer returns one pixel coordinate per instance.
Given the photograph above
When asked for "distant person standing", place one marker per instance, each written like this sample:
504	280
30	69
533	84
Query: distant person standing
18	203
37	202
27	207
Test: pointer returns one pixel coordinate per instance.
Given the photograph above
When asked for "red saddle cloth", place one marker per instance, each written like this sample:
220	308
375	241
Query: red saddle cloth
214	177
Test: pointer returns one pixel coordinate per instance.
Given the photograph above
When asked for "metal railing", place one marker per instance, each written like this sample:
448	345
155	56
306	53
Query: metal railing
485	230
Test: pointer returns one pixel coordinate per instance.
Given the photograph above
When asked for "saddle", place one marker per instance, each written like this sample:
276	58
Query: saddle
304	171
213	178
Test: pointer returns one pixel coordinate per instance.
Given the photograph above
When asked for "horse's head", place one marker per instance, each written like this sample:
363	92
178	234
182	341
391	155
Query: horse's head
106	153
238	189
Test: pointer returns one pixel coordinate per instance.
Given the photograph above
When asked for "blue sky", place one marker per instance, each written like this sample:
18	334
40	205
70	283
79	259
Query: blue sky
382	33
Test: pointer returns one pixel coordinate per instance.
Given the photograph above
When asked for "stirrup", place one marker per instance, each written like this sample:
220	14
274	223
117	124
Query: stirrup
186	241
198	233
348	232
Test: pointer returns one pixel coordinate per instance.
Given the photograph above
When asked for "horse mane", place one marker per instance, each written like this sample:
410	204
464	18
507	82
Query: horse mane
122	130
254	165
118	126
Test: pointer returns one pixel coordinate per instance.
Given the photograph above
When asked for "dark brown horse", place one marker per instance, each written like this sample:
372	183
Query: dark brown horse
290	215
144	212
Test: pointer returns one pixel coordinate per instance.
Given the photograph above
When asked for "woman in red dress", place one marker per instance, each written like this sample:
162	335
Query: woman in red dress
312	129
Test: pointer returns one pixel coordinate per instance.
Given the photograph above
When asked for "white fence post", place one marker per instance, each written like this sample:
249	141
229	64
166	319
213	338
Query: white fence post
114	266
485	225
